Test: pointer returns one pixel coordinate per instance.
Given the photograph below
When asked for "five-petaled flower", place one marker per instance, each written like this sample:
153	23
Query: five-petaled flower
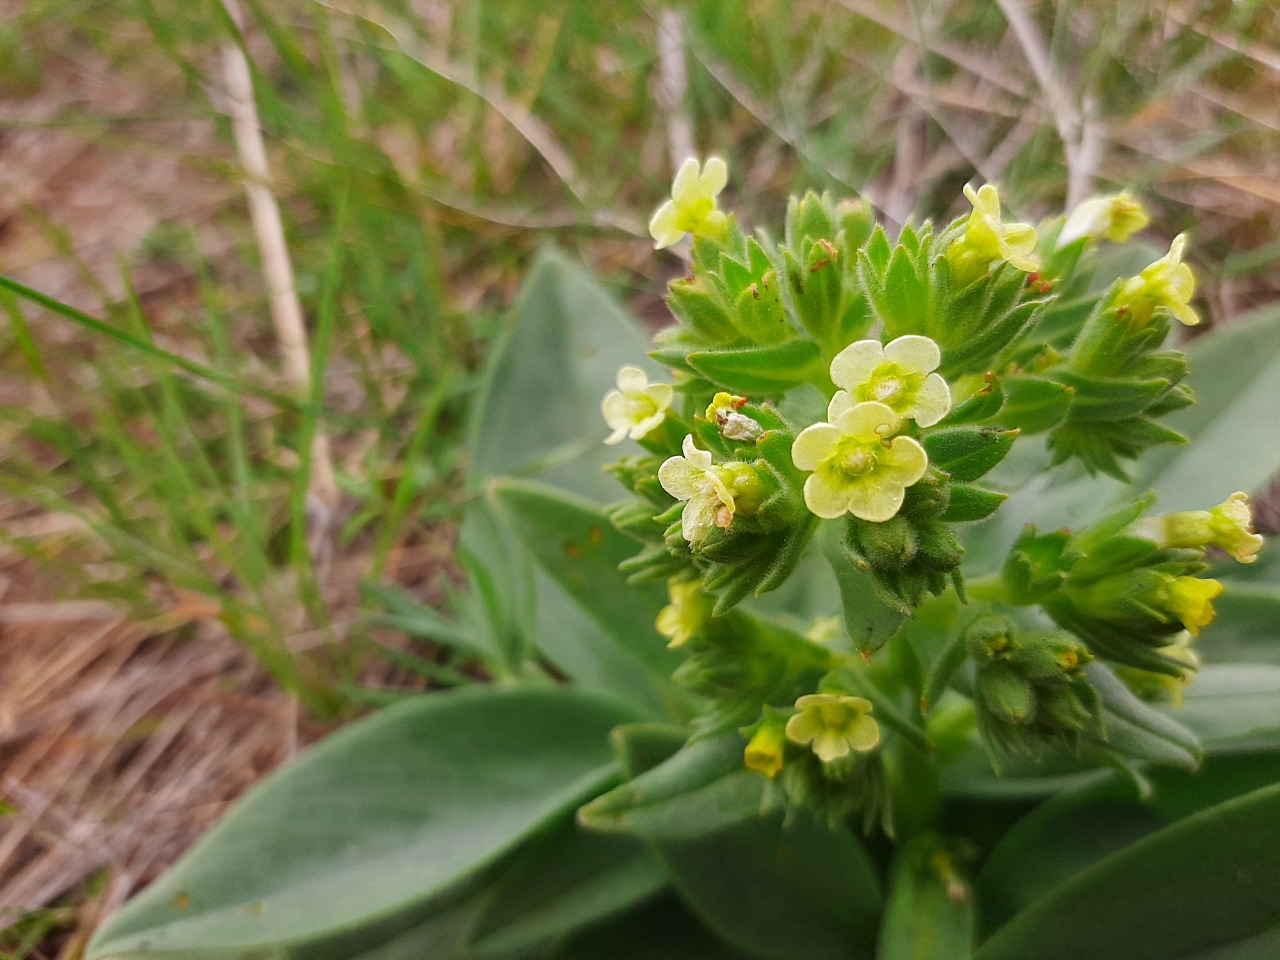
1116	218
1168	283
833	726
898	374
712	492
686	614
692	207
988	238
856	467
636	407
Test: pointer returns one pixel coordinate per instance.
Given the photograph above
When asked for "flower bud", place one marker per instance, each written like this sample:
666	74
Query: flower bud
1115	218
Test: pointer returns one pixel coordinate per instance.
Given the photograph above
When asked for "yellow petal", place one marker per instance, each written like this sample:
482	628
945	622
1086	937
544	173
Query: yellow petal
873	499
813	445
715	174
841	402
830	745
864	734
685	186
827	496
803	727
914	353
679	477
903	462
664	226
632	380
868	420
932	402
854	365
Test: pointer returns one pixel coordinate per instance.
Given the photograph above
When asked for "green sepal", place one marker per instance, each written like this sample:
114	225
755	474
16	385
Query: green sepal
1108	398
1034	404
1036	565
759	313
949	660
762	371
870	617
968	453
983	405
968	504
811	217
696	303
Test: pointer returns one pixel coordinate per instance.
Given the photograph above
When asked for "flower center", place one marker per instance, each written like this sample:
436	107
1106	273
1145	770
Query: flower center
857	461
887	389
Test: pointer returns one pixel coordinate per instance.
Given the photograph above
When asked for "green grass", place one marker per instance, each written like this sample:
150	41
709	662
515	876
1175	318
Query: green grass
420	161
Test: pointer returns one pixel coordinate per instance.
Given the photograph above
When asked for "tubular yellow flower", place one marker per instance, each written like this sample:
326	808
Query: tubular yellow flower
692	207
686	614
636	407
1166	284
1190	599
1228	526
833	726
988	238
855	468
1116	218
765	749
898	374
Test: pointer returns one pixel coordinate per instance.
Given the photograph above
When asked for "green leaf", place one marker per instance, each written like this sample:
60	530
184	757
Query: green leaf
369	829
794	892
762	371
1207	883
923	919
1234	707
1247	628
566	880
967	453
1136	729
640	747
580	549
538	413
1067	833
1235	438
661	930
983	405
702	789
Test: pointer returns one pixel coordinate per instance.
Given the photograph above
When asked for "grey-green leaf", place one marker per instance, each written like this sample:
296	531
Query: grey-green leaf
1205	887
794	892
356	842
538	413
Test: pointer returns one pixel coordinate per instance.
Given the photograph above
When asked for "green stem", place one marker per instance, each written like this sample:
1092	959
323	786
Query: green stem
991	587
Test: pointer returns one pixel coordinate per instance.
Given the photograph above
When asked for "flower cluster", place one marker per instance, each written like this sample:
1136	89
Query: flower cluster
839	397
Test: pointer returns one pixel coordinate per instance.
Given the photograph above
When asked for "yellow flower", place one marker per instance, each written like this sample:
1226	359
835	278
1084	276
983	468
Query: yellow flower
1166	284
1116	218
692	207
988	238
1228	526
636	407
712	493
855	468
898	374
765	749
686	614
1190	599
832	725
